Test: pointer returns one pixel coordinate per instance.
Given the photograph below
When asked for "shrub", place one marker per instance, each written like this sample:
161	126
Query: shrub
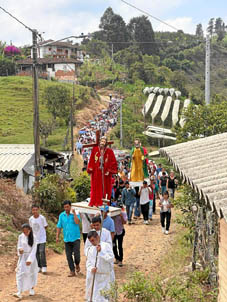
52	191
140	289
82	186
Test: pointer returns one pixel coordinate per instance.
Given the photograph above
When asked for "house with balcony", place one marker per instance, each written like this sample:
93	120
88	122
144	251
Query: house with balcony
58	60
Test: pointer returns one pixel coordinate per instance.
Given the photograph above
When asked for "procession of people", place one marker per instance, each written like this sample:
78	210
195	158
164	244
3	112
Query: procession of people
133	185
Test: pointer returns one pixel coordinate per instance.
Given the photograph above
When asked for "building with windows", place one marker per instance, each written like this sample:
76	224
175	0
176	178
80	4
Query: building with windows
58	60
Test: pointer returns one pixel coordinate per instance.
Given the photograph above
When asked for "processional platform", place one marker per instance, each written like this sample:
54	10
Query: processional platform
83	207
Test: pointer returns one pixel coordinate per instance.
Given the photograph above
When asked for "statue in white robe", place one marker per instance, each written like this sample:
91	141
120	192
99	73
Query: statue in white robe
26	275
103	270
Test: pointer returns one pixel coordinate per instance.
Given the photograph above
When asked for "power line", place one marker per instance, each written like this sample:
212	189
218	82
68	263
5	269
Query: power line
148	14
16	19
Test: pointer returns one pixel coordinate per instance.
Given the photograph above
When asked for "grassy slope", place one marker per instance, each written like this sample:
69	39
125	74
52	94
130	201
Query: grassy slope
16	112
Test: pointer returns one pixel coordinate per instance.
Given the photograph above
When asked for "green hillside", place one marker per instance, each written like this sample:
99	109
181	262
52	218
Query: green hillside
16	111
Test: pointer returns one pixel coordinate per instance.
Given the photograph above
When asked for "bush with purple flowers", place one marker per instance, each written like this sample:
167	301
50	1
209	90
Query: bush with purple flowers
11	50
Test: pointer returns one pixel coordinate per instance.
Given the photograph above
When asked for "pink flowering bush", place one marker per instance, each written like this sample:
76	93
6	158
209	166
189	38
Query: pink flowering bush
11	50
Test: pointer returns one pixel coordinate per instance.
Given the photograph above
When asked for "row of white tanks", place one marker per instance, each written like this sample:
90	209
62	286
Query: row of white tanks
157	96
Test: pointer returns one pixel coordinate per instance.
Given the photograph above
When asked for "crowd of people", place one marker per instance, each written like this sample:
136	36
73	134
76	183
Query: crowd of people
103	122
102	235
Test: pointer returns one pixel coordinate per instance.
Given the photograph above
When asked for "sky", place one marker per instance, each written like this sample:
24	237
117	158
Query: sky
57	19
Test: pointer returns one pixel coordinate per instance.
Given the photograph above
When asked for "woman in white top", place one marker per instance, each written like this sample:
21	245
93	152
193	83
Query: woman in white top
27	267
145	201
165	212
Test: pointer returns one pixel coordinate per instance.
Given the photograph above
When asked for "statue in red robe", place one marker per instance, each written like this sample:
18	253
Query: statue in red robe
101	157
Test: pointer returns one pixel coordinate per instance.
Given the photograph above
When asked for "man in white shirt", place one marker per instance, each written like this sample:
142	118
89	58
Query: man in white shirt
86	225
39	225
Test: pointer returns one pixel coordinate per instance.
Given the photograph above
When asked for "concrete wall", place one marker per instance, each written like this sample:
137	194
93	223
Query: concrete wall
222	262
64	67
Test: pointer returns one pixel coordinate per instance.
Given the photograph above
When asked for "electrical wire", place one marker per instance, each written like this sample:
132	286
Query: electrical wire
148	14
27	27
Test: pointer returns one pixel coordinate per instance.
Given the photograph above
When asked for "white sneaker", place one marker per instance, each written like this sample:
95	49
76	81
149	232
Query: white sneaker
31	292
17	295
146	222
167	232
44	270
163	230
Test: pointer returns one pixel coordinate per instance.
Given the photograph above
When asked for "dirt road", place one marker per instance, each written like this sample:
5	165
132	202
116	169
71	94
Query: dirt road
144	246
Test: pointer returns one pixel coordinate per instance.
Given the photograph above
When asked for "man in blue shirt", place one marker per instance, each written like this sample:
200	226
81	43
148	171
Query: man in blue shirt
69	222
108	222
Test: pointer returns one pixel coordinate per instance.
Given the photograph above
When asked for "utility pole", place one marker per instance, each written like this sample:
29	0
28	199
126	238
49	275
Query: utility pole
207	72
71	117
36	106
121	130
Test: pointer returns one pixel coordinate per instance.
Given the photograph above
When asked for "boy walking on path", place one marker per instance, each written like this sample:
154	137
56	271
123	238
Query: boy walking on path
39	225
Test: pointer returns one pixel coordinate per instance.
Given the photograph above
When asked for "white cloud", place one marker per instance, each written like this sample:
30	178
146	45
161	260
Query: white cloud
61	18
46	16
185	23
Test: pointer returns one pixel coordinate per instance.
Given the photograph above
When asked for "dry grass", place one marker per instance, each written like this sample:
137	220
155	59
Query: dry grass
15	208
89	112
14	202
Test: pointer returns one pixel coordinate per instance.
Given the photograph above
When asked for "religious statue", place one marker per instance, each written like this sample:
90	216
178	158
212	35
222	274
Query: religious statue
102	164
139	169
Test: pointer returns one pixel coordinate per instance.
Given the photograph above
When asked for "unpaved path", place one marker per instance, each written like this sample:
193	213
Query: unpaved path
144	246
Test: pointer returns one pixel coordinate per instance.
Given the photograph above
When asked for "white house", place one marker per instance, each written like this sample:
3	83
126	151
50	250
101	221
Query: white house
55	60
50	48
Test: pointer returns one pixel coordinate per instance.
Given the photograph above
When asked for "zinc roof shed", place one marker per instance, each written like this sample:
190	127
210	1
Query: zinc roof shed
13	157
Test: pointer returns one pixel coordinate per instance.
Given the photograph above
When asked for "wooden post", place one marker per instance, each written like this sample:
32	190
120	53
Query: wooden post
211	228
36	107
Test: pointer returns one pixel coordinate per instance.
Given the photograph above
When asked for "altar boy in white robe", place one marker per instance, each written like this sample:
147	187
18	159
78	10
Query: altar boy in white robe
100	271
27	267
96	224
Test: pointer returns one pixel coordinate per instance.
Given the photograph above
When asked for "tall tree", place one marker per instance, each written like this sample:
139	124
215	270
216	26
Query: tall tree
199	31
210	28
219	29
141	31
113	29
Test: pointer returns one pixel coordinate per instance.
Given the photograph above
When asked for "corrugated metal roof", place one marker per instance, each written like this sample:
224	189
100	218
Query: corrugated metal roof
203	164
14	157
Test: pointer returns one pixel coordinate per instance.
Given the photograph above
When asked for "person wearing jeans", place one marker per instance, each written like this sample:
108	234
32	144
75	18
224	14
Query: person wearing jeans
69	222
165	212
73	248
39	225
137	206
128	198
119	222
144	193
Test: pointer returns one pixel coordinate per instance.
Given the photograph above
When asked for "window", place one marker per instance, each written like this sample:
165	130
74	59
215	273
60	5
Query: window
50	48
59	49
